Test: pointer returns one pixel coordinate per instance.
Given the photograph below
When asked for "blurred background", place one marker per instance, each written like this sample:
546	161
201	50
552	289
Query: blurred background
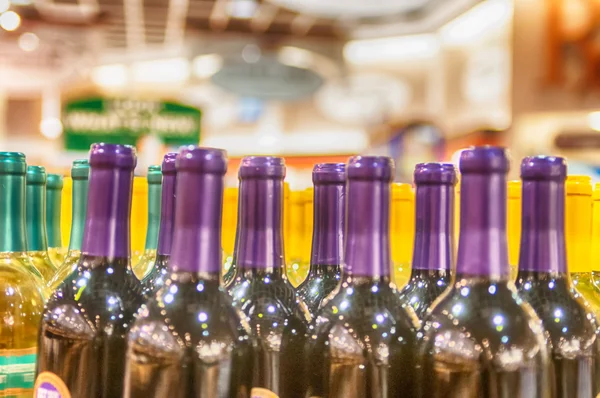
312	80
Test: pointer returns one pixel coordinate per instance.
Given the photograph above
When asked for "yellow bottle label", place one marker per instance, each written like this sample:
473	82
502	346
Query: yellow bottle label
262	393
49	385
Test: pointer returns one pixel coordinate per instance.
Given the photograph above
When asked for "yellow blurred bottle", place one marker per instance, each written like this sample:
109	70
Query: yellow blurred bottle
402	232
139	218
154	183
595	253
578	233
230	204
299	270
294	242
513	226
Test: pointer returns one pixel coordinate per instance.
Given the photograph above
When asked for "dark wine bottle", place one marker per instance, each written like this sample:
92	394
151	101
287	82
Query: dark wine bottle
329	217
189	340
82	339
158	275
434	236
277	317
543	280
480	339
363	341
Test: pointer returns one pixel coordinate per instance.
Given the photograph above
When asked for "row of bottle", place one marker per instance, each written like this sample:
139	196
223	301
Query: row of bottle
350	335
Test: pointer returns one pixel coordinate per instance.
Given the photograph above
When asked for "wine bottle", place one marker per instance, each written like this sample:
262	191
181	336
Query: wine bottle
308	205
578	232
479	338
54	187
434	237
205	350
146	263
37	239
402	232
295	230
513	226
80	172
544	283
277	317
158	274
82	338
329	181
363	341
21	285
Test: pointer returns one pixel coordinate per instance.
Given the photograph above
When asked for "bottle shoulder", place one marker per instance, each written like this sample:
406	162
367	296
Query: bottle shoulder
367	309
565	315
182	316
473	322
19	285
106	298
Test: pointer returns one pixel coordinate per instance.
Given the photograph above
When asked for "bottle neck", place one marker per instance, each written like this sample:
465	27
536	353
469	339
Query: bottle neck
328	225
80	198
167	214
482	248
107	225
37	239
434	227
260	238
543	227
13	236
367	251
154	193
197	231
53	206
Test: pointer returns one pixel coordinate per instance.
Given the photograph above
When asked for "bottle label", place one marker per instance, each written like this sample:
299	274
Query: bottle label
49	385
262	393
17	371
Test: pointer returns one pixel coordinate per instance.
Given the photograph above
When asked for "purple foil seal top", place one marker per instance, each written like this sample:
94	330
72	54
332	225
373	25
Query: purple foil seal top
262	167
482	249
434	221
435	173
329	173
167	204
329	213
543	215
107	224
199	202
260	216
168	163
367	251
113	155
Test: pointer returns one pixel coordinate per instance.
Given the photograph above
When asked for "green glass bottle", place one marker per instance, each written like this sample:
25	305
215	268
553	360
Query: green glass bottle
54	187
37	238
80	173
21	285
146	263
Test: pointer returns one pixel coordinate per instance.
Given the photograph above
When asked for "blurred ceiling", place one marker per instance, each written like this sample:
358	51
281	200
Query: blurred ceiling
140	23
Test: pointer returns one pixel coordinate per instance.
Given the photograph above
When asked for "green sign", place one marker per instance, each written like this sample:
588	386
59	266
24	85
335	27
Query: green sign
125	121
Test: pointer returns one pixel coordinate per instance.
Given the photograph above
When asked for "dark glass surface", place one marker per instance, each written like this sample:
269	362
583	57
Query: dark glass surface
572	327
229	275
189	341
278	320
157	277
481	340
423	287
362	343
84	326
320	283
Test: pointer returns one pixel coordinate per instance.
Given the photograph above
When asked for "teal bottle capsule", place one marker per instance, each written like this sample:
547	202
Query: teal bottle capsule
54	187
